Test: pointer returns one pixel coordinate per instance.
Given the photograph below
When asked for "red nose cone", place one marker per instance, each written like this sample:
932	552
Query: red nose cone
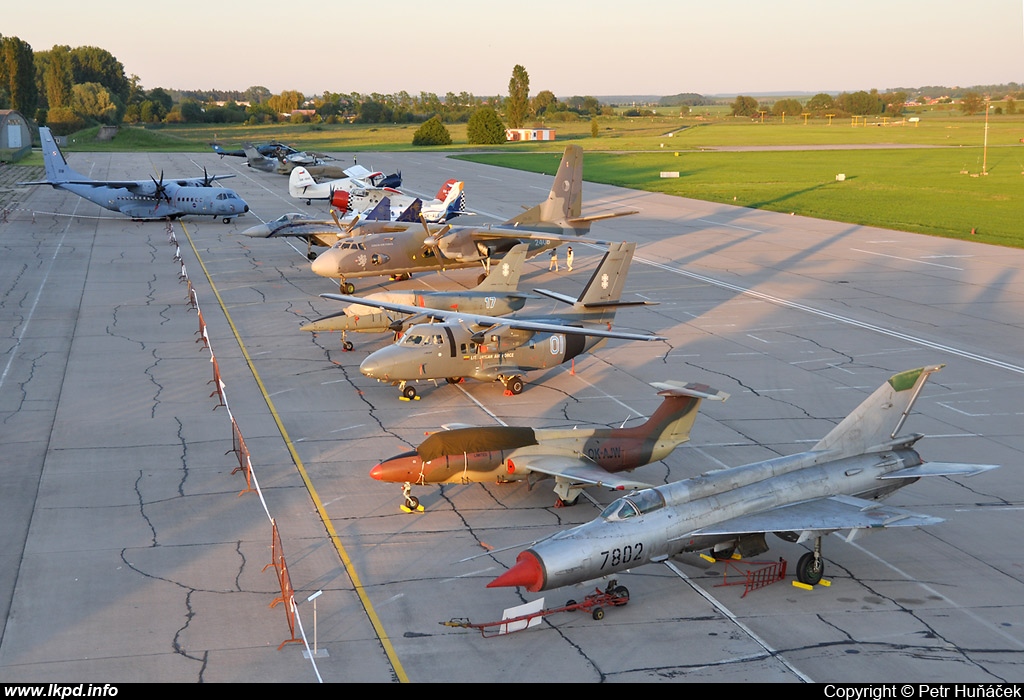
527	572
377	472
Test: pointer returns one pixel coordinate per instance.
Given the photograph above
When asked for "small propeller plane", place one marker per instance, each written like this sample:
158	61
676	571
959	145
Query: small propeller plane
833	487
497	295
491	348
408	248
362	190
143	200
575	458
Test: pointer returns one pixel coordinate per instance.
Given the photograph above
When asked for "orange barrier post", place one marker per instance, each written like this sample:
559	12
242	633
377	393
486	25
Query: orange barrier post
218	390
287	596
242	452
202	330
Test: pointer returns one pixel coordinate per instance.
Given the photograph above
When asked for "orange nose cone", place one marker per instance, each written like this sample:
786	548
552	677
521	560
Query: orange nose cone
377	472
527	572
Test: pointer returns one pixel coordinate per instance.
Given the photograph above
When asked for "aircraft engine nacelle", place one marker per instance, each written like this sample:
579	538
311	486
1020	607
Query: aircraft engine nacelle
501	339
340	200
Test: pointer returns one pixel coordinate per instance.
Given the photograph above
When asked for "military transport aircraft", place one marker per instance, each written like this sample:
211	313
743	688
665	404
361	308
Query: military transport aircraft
497	295
575	458
357	192
801	497
142	199
408	248
491	348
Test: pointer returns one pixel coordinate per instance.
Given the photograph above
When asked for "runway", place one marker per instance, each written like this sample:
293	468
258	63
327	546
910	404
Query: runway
132	555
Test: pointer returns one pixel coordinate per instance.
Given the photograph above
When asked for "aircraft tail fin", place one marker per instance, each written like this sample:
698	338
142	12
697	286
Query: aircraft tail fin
381	212
671	423
504	274
877	420
298	180
565	200
57	168
412	212
602	295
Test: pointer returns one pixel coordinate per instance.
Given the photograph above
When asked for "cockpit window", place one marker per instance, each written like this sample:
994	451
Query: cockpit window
634	504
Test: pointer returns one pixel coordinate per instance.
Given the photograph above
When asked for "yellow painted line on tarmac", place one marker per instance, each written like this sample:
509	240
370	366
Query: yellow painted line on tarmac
360	591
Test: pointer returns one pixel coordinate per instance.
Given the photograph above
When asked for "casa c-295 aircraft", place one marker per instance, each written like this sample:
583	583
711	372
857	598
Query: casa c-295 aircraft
144	200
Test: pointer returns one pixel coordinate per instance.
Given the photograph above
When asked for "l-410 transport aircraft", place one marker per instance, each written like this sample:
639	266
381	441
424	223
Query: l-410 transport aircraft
144	200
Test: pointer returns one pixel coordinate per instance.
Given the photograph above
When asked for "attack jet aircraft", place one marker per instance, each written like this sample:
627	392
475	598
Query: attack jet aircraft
408	248
497	295
575	458
490	348
142	200
833	487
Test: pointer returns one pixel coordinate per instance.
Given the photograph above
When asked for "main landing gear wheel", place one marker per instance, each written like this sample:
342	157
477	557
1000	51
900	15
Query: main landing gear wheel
722	554
562	503
347	345
809	569
454	380
514	385
227	220
409	392
347	288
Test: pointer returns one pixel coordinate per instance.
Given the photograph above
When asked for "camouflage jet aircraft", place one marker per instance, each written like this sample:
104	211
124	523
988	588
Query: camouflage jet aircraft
575	458
835	486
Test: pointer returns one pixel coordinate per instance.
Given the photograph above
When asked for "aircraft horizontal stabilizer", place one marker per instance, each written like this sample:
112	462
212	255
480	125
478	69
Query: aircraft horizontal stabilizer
580	220
820	515
543	459
672	387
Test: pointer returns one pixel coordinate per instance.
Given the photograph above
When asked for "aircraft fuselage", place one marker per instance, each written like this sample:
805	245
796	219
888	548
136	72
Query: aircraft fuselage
443	350
180	201
655	524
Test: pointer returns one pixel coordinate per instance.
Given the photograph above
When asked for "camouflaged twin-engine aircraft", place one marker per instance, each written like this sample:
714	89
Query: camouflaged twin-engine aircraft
491	348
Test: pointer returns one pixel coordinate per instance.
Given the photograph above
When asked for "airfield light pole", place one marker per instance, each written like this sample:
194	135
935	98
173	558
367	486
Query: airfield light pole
984	158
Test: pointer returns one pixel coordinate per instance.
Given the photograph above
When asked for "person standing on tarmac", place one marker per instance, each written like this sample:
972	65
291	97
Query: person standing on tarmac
553	265
568	259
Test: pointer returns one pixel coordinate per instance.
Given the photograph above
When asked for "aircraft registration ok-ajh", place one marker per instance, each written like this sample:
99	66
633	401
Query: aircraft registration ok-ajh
405	248
143	200
490	348
497	295
575	458
835	486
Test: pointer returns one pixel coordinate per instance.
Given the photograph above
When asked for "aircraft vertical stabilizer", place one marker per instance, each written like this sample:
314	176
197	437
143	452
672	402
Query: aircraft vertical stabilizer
879	418
57	168
565	201
504	275
606	284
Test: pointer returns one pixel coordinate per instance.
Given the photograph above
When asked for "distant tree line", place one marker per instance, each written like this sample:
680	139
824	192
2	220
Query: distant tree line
69	88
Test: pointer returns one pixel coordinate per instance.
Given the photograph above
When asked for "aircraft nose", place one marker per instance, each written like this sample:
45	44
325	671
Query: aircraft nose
527	572
325	264
370	367
258	231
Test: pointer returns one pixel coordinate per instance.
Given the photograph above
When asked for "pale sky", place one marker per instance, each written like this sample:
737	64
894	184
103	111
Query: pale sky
582	47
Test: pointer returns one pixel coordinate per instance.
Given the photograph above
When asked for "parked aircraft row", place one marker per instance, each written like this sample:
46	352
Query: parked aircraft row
480	334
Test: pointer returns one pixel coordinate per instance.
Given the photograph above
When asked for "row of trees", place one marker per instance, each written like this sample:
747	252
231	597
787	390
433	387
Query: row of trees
863	103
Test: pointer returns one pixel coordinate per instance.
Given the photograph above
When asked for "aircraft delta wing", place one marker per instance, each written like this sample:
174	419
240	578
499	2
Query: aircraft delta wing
143	200
497	295
489	348
835	486
575	458
409	248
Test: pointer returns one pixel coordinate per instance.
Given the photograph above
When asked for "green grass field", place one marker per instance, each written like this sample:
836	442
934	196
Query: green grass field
935	189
